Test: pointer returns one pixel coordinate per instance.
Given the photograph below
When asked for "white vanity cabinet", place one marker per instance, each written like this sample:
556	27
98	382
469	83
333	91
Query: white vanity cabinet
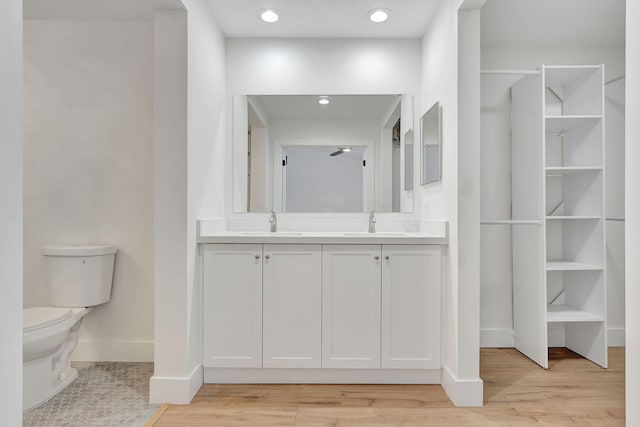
381	306
411	277
292	298
232	317
360	312
351	279
262	306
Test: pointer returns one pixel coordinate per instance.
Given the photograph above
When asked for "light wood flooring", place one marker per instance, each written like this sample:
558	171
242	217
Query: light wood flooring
573	392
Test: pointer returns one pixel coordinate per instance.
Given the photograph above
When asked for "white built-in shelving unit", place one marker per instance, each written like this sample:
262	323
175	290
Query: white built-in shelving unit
558	176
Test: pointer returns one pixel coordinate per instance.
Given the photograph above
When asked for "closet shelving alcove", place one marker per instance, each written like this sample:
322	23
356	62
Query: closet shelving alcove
559	280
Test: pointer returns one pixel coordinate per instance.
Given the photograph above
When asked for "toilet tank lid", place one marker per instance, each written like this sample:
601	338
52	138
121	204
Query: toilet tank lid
79	250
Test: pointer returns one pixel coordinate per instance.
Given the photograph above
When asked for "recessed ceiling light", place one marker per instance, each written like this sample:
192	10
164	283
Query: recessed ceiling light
269	15
379	15
324	100
346	150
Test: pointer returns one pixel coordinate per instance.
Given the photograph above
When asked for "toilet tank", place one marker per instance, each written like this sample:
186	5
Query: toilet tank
79	276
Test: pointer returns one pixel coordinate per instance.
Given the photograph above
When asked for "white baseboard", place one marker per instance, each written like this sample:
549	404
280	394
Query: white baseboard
113	351
496	338
320	376
177	390
615	337
462	392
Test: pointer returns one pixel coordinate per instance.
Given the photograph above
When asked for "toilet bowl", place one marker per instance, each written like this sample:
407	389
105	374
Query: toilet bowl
49	336
80	277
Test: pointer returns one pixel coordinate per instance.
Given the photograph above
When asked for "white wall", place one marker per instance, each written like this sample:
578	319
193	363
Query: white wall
468	302
496	320
207	148
440	200
313	66
88	169
318	66
170	382
632	212
11	213
190	184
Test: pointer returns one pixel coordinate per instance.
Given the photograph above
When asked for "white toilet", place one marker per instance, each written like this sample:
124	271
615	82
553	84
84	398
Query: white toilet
79	277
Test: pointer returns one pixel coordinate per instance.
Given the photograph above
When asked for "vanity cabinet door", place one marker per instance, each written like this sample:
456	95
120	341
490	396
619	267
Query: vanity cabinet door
410	306
292	306
232	310
351	306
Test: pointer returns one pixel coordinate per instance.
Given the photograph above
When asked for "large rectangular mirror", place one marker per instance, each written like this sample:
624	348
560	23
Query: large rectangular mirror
431	146
318	153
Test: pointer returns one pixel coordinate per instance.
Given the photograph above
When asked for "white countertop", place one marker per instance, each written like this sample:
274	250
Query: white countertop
324	237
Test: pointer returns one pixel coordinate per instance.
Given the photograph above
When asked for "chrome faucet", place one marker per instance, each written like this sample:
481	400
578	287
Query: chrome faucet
273	220
372	222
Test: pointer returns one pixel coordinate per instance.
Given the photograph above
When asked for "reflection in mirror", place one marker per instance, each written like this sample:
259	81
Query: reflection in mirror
323	179
293	153
431	145
408	160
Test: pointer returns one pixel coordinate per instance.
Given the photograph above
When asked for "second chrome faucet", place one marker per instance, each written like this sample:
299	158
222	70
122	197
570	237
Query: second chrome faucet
273	220
372	222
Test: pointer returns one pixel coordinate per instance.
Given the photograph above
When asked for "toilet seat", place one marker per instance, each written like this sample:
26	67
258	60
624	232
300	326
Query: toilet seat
41	317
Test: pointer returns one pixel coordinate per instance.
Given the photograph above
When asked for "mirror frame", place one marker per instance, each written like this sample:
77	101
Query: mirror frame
435	109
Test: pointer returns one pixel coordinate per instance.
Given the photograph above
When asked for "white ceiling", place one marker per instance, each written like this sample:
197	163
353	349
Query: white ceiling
323	18
342	107
600	22
503	21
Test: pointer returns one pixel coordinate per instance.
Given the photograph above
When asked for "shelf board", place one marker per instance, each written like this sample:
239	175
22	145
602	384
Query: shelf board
574	217
572	170
565	313
511	222
564	75
566	123
571	266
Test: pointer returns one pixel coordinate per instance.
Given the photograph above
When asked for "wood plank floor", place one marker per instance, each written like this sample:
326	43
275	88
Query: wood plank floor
573	392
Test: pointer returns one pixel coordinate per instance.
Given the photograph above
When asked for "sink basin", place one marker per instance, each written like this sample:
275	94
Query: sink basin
377	234
267	233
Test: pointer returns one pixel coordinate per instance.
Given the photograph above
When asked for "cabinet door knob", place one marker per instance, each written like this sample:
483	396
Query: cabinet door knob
376	257
386	257
267	257
257	256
